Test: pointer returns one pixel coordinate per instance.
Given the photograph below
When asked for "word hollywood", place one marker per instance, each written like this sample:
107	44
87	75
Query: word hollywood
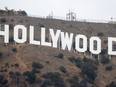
58	37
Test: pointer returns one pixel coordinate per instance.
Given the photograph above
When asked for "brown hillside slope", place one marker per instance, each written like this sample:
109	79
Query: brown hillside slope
26	54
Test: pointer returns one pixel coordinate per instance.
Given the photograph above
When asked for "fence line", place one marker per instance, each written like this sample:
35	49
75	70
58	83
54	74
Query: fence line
77	19
63	18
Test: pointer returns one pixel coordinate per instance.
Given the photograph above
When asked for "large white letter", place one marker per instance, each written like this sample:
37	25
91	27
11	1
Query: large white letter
5	33
77	43
55	37
32	41
16	33
66	40
98	47
43	38
110	48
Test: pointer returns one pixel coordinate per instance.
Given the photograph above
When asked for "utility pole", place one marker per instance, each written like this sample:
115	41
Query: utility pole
71	16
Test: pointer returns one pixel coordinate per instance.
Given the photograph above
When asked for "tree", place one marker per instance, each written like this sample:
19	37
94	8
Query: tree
89	69
55	78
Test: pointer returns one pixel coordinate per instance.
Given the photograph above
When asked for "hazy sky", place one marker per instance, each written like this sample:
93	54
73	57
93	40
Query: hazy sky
85	9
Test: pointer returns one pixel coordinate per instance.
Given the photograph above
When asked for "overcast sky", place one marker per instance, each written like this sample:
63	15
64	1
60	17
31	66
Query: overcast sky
85	9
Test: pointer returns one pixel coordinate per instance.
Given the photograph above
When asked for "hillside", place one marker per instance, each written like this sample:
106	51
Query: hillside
25	65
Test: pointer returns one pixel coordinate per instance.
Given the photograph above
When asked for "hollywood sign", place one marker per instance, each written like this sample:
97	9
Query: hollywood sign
65	39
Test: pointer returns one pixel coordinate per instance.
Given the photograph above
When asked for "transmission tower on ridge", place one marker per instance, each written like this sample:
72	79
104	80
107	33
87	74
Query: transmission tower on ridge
71	16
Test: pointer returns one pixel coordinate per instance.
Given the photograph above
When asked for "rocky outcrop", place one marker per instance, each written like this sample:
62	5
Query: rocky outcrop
12	12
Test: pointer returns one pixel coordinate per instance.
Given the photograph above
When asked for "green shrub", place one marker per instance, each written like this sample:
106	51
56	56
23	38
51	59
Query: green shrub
89	69
11	73
108	68
26	73
16	65
72	59
63	69
23	13
1	54
41	25
30	77
87	60
100	34
105	60
37	65
74	81
46	83
103	51
34	71
7	65
3	20
55	78
83	83
3	81
14	49
14	74
60	56
78	62
112	84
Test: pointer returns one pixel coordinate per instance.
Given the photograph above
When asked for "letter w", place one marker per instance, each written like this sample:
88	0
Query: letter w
66	40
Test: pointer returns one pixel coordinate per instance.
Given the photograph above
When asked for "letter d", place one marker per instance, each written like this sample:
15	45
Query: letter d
110	48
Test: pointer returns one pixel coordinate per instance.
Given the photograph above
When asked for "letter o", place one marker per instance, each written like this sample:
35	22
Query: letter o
91	42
